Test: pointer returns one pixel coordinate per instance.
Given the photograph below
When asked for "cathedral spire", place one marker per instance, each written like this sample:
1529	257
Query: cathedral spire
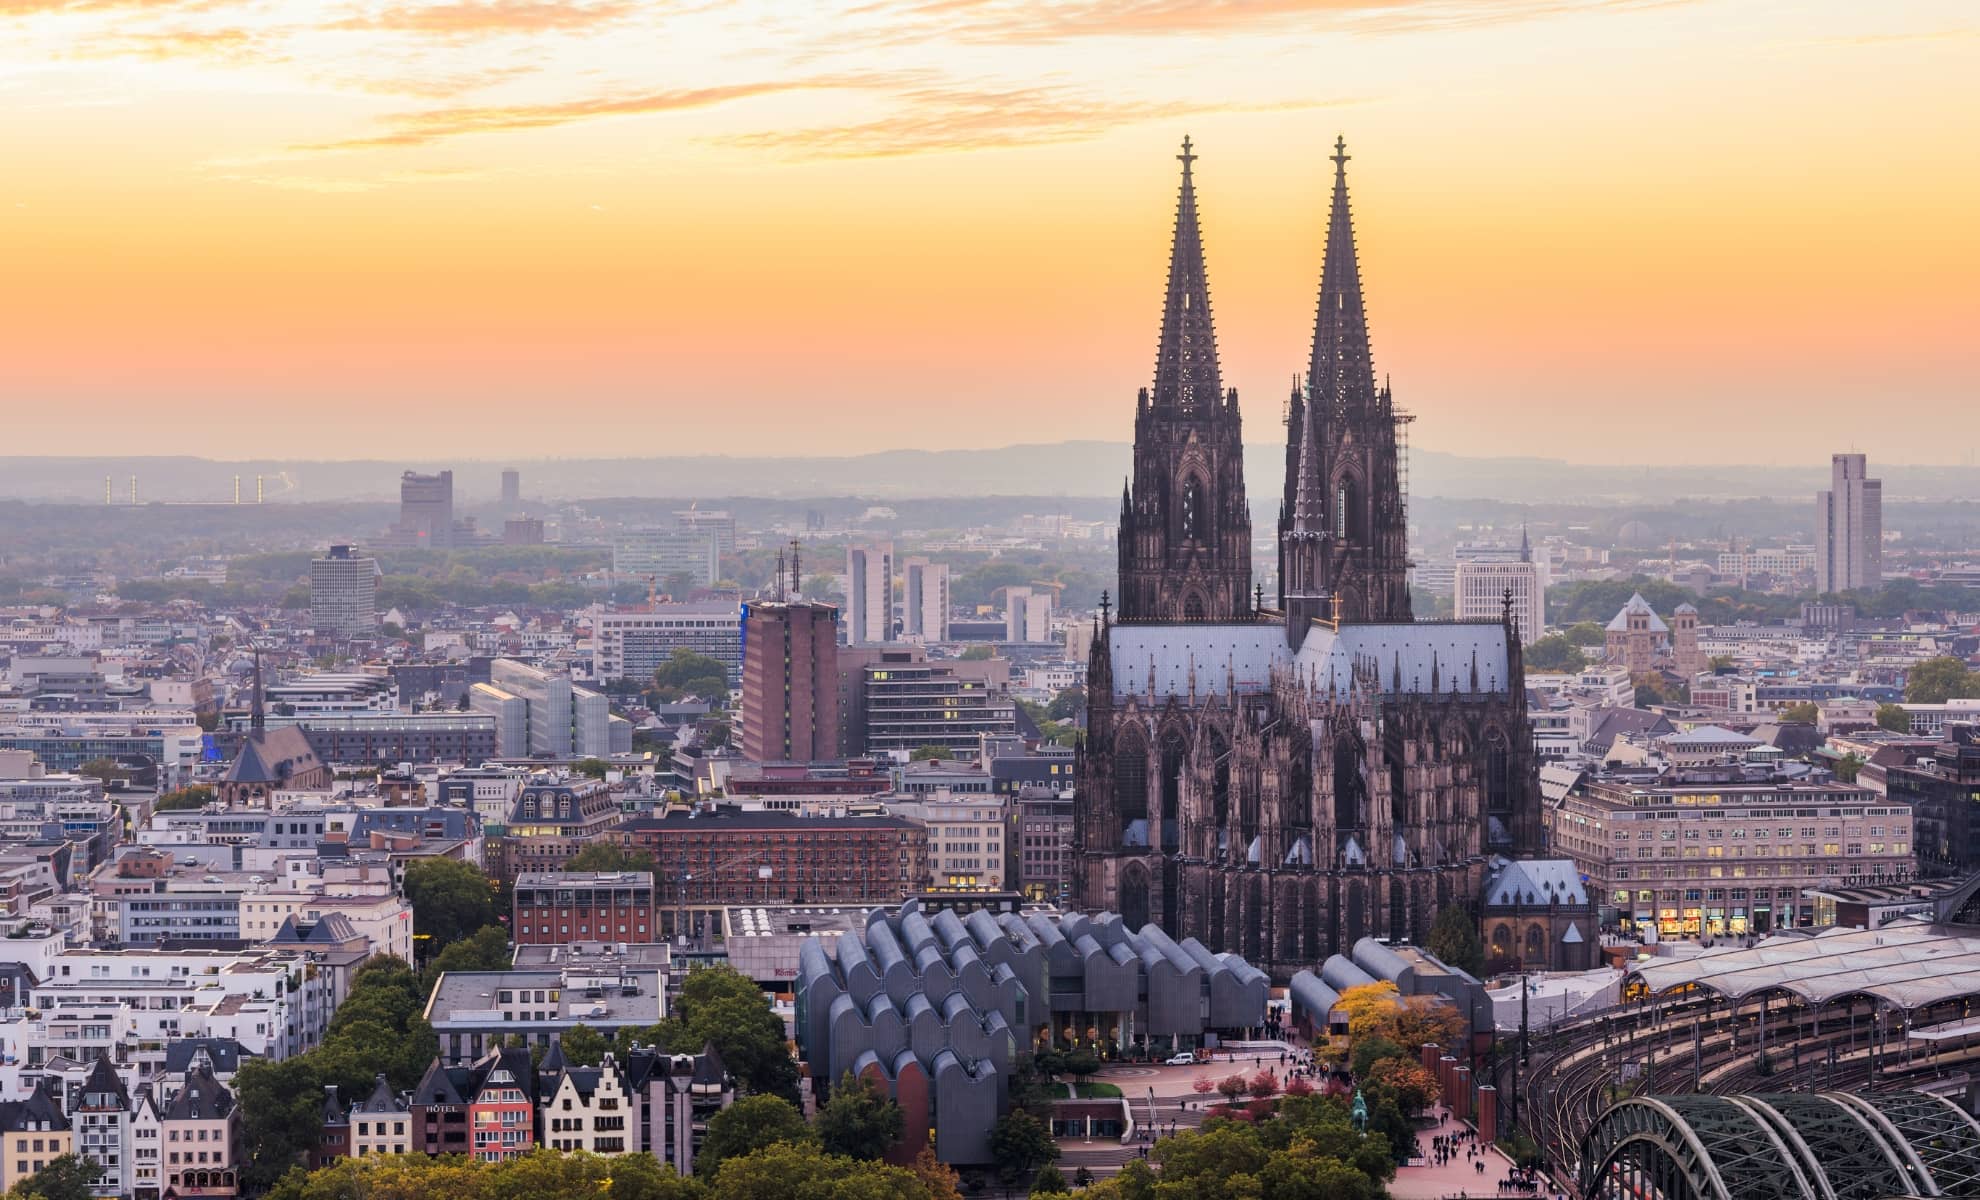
1309	513
1342	373
1186	373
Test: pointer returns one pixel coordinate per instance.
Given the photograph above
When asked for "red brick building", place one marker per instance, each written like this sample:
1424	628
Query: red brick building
722	857
790	682
551	908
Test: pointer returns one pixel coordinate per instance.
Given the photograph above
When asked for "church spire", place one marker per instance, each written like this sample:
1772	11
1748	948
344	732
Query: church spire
1186	373
1309	513
1341	374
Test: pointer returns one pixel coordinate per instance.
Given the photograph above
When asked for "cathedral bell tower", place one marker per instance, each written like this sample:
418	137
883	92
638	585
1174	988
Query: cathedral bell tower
1343	529
1185	537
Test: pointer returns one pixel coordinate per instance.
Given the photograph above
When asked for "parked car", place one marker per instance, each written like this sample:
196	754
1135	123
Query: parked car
1182	1060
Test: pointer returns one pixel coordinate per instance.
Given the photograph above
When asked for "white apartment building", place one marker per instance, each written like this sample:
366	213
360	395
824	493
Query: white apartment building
925	607
1027	615
1481	592
870	593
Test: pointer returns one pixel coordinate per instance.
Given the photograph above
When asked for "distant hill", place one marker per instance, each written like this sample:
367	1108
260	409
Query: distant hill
1087	469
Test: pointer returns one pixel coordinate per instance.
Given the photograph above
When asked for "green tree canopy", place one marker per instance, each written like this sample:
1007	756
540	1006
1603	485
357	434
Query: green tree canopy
801	1171
487	950
929	751
750	1124
977	653
1021	1144
1894	718
451	900
721	1006
1555	653
1937	680
1454	939
689	674
859	1121
1067	705
608	856
591	768
66	1177
583	1045
1585	633
1803	713
195	795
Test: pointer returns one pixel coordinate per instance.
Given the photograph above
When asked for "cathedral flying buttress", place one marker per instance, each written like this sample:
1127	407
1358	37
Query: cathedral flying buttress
1282	782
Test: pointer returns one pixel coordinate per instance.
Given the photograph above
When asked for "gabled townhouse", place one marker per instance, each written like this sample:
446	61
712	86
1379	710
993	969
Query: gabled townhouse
33	1133
100	1113
198	1127
380	1123
586	1108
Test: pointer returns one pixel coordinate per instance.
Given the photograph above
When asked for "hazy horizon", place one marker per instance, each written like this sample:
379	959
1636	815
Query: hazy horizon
447	228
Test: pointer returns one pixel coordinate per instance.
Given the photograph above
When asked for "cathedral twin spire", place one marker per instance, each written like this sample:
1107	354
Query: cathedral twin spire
1342	543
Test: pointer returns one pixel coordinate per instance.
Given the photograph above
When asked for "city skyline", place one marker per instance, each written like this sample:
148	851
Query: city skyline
455	220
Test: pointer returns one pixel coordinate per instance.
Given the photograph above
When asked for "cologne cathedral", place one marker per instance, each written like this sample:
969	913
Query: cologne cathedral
1281	780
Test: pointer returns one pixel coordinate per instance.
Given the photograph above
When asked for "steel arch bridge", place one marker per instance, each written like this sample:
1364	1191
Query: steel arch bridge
1782	1146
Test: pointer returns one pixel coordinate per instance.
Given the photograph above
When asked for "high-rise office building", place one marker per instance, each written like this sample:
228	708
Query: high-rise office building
649	552
426	510
870	593
925	607
343	593
634	642
1849	527
718	522
1027	615
511	488
790	689
1482	585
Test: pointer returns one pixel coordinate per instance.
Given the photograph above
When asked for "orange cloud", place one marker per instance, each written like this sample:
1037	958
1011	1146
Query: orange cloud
421	128
938	119
469	18
1030	21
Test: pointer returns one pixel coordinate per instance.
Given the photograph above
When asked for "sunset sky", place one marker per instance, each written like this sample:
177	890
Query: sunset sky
1630	231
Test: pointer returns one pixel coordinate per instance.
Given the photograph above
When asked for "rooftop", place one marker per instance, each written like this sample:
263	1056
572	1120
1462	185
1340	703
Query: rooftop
1907	965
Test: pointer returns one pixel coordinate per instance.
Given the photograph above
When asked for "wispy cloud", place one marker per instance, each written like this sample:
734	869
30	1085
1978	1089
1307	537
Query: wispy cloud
230	45
432	125
1022	21
487	18
942	119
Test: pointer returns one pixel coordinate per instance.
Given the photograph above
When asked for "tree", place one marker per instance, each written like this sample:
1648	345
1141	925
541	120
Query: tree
1653	688
591	768
689	674
606	856
1585	633
1049	1181
859	1121
749	1125
929	751
1804	713
978	653
1371	1050
196	795
1067	705
450	899
281	1107
1021	1143
1847	767
1080	1063
583	1045
1413	1086
719	1005
1894	718
1555	653
1263	1083
102	770
1231	1087
1937	680
1454	939
1723	662
1371	1009
1428	1020
794	1171
487	950
66	1177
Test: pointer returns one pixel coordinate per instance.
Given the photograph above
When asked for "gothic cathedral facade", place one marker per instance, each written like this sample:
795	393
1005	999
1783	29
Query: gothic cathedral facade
1282	781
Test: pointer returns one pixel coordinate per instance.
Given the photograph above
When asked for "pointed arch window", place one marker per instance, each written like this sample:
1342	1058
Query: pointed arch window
1192	510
